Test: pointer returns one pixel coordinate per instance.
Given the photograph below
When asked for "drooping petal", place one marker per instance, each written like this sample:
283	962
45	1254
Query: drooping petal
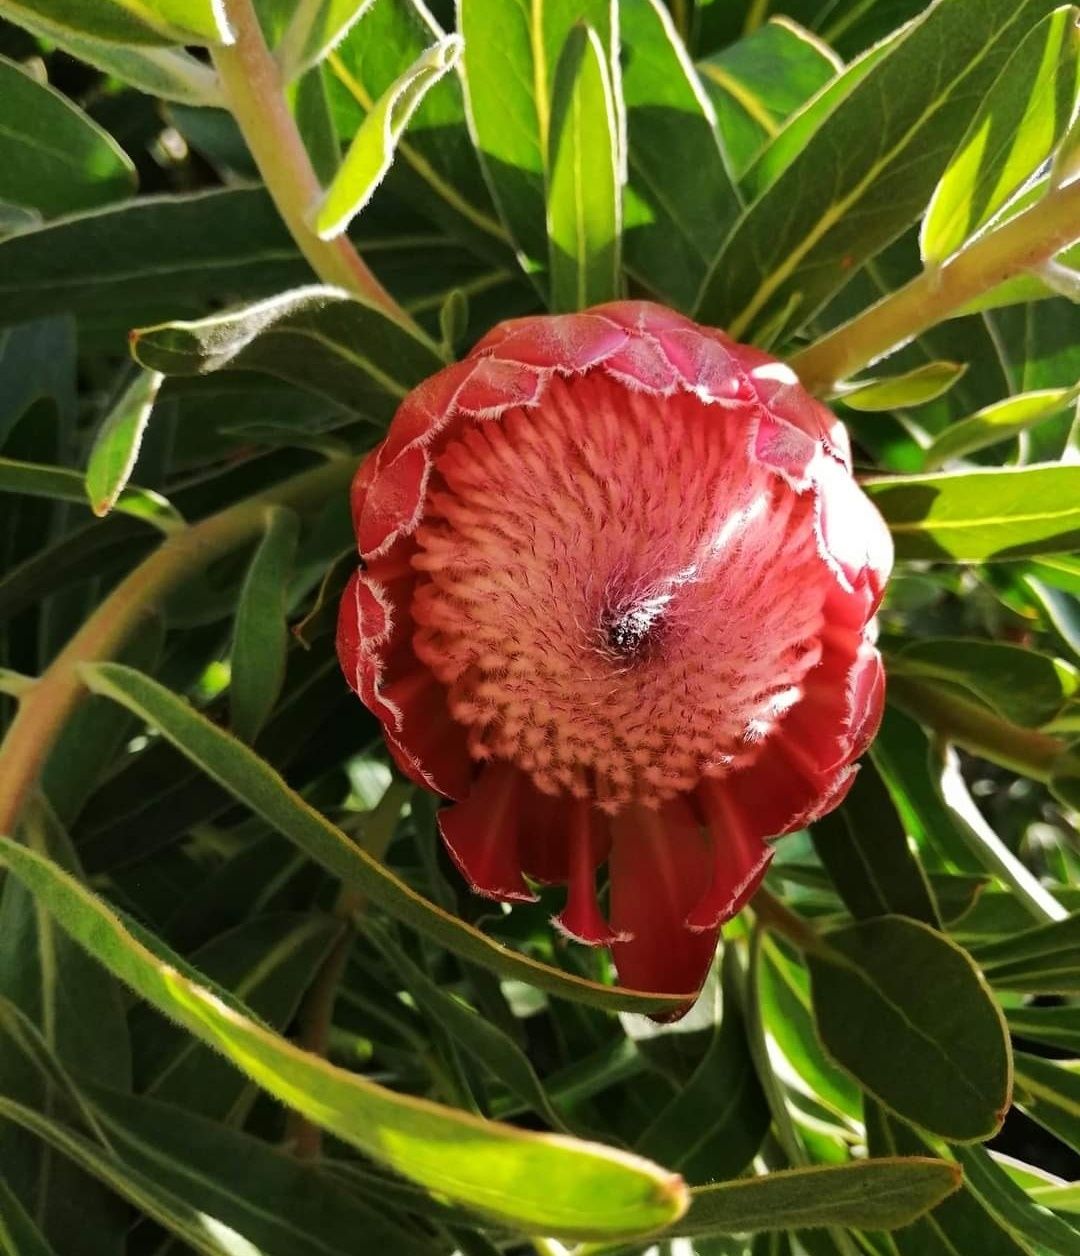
740	858
481	834
582	918
659	862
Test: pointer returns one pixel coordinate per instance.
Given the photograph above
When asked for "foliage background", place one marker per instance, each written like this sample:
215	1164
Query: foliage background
181	912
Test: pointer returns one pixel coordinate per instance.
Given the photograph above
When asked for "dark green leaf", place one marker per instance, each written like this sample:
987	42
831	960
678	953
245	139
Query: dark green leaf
1045	960
1015	1210
981	516
254	782
53	158
1050	1093
584	193
1056	1026
19	1236
319	338
60	484
567	1187
935	1052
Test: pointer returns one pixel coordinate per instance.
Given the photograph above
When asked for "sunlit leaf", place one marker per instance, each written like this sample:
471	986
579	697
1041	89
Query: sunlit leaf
116	445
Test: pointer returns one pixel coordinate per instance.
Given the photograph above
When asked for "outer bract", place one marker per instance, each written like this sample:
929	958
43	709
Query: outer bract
615	597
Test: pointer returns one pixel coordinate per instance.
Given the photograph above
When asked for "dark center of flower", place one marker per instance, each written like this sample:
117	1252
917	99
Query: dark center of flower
618	596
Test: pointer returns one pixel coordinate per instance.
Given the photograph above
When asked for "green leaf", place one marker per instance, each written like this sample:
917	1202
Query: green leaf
261	633
896	392
314	29
511	53
1044	960
1018	684
1012	1205
318	338
116	446
584	193
867	172
1019	122
675	212
54	158
59	998
152	258
372	149
124	21
533	1181
759	81
935	1052
871	1194
268	962
254	782
997	422
959	1225
981	516
1055	1026
19	1236
60	484
1050	1094
485	1042
864	847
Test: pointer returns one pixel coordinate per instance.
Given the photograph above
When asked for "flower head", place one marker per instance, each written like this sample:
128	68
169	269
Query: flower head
615	598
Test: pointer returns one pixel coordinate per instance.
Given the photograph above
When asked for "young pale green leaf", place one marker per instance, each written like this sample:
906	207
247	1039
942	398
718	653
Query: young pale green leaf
530	1181
1020	120
935	1052
867	172
1012	1205
372	149
675	212
759	81
476	1036
19	1236
958	1225
53	157
315	27
252	781
981	516
897	392
872	1195
997	422
124	21
865	849
1020	685
1045	960
584	194
116	446
511	52
1049	1093
318	338
261	632
70	486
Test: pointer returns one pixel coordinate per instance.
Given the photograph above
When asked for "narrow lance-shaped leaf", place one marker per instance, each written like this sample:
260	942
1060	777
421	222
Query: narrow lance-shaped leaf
372	149
1045	960
116	446
935	1052
896	392
53	157
531	1181
997	422
1019	122
314	30
252	781
70	486
979	516
584	196
125	21
261	634
19	1236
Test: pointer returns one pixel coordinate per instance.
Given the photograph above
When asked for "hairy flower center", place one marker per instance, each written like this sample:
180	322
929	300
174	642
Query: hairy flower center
619	597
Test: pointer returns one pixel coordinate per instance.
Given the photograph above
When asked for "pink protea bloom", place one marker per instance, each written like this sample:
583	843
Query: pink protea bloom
615	602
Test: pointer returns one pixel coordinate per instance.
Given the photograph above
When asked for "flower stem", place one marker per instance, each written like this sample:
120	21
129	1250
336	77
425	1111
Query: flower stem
776	917
1020	244
45	706
255	92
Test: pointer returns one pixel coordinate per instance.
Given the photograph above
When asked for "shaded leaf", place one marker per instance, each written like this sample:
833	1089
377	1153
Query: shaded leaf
1012	1206
1050	1094
54	158
314	30
584	194
1044	960
1055	1026
528	1180
980	516
254	782
19	1236
934	1052
60	484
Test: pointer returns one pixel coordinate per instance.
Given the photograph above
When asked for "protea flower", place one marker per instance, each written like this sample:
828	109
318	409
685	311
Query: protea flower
614	603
